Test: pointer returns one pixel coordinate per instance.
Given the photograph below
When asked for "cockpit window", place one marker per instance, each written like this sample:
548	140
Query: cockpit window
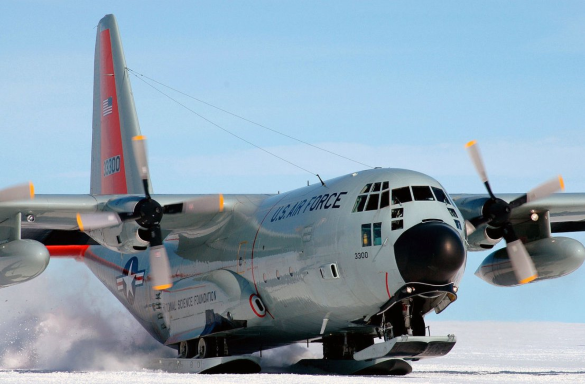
440	195
360	203
370	198
401	195
422	193
373	201
366	189
385	199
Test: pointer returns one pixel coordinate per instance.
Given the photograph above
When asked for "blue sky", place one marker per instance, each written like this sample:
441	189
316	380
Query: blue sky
391	84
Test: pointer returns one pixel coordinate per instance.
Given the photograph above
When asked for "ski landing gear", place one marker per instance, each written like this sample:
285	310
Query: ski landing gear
338	358
226	364
207	355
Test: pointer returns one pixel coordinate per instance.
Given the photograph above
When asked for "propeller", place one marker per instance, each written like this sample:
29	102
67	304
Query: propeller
147	213
23	191
496	213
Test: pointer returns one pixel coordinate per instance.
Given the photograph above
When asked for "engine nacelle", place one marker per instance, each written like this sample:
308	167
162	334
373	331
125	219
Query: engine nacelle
22	260
553	257
123	238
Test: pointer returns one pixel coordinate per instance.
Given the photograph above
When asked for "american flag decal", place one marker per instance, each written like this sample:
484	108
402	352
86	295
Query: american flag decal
107	106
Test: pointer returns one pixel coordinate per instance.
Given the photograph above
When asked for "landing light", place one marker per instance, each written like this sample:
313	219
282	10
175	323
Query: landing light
534	217
455	289
409	289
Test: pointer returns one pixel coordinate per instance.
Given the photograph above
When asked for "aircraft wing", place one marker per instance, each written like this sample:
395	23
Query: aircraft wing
29	226
566	211
46	213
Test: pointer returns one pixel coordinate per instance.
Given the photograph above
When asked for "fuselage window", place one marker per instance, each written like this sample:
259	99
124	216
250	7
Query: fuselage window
377	233
366	235
401	195
373	202
422	193
397	213
397	224
452	212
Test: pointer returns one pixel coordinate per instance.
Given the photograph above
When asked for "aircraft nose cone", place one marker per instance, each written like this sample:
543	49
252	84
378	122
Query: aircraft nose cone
429	253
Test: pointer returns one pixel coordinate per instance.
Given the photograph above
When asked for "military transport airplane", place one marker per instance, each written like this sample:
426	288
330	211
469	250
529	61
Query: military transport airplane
359	257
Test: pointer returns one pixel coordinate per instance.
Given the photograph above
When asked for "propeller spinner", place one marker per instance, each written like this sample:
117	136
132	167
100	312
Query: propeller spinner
496	213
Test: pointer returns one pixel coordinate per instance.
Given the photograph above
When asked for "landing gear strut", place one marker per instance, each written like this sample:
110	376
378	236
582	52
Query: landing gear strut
342	347
203	348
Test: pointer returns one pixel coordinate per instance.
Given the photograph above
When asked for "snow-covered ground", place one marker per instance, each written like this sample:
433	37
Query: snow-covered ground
490	352
51	332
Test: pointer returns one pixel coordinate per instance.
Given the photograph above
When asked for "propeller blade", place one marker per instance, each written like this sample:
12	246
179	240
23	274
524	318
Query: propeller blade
473	150
160	269
139	147
546	189
24	191
97	220
521	262
539	192
203	205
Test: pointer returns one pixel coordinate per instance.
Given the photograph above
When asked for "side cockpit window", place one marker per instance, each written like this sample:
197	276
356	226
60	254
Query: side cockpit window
367	239
373	196
440	195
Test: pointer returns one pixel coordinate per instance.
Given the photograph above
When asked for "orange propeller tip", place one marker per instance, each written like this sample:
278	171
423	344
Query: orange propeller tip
471	143
139	137
162	287
79	222
562	183
529	279
32	189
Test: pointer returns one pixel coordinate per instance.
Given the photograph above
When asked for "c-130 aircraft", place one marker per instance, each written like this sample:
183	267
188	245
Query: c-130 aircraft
361	257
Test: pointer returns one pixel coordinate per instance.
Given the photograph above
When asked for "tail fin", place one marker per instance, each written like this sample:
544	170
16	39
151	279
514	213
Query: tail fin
113	169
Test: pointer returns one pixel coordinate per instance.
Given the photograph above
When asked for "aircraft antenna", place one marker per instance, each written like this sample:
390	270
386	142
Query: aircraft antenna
228	131
139	75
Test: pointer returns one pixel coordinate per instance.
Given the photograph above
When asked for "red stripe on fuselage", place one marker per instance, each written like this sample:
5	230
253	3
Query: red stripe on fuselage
114	176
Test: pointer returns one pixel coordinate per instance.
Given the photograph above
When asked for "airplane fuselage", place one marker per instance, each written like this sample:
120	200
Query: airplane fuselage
294	266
